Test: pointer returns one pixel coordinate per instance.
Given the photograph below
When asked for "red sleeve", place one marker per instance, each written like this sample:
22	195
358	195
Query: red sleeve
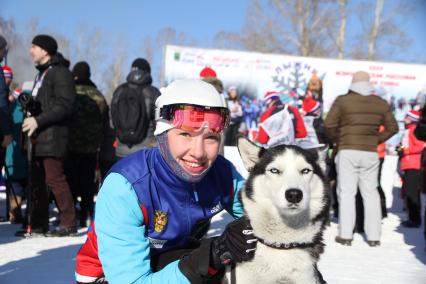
87	259
262	137
300	131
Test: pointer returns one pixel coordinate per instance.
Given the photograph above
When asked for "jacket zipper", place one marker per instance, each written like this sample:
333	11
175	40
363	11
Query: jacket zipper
194	190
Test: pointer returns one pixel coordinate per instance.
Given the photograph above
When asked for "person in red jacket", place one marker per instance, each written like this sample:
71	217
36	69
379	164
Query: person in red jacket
280	123
410	151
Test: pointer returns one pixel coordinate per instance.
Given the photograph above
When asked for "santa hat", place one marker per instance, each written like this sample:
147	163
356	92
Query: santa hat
310	105
269	96
8	73
413	115
207	72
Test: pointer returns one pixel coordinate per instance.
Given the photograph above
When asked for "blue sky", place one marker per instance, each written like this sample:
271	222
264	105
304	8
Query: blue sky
130	20
199	19
133	20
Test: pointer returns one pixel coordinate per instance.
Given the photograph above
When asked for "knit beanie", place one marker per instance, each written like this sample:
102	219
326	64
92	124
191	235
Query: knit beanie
16	93
47	43
413	115
207	72
142	64
8	73
361	84
3	42
81	70
271	96
232	88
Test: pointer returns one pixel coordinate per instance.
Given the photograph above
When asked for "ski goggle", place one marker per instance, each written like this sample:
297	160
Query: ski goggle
194	117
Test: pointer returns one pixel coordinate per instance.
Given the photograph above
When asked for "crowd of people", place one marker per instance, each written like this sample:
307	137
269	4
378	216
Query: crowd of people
152	159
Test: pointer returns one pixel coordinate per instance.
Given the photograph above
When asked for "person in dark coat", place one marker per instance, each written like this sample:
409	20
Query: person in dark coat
54	94
140	75
5	117
420	133
86	135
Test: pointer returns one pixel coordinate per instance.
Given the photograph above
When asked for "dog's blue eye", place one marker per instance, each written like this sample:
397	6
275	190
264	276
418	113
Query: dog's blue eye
274	171
305	171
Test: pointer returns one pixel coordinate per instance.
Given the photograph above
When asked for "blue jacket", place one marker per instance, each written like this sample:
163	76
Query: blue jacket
16	158
143	209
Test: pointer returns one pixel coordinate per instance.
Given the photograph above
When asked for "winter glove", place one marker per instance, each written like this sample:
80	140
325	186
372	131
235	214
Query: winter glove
196	265
236	244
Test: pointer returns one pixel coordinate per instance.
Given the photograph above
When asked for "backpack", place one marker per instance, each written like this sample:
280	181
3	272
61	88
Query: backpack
129	114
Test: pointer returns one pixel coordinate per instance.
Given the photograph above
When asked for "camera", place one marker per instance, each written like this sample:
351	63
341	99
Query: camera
29	104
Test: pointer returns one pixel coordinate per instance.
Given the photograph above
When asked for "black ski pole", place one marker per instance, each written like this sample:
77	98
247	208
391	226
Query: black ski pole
29	186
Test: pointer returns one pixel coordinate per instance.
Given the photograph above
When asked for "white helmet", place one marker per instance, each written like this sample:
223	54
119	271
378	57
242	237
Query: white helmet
186	91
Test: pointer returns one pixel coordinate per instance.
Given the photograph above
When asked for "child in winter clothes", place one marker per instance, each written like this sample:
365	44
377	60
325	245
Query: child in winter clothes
273	129
314	124
411	150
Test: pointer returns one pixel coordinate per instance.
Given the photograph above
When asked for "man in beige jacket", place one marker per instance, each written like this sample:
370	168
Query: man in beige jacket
353	125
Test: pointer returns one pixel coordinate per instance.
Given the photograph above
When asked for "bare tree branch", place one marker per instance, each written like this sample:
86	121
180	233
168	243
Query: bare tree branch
342	29
375	29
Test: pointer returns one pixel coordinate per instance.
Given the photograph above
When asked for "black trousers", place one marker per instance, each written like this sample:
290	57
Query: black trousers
231	134
80	172
411	185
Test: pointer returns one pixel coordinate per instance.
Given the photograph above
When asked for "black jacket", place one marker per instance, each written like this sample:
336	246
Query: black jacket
144	80
55	97
420	131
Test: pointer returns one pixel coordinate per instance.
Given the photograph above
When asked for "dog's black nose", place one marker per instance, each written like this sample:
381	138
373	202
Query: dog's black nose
293	195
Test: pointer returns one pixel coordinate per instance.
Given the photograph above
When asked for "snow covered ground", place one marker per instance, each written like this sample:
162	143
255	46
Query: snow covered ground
400	259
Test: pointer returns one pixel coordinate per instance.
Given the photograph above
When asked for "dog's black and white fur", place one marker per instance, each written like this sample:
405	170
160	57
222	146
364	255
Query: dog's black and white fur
286	200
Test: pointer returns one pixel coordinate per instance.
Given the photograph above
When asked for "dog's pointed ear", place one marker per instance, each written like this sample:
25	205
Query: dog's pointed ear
322	156
249	152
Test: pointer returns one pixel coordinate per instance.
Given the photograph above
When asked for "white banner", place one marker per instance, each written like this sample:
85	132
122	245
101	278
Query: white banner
254	73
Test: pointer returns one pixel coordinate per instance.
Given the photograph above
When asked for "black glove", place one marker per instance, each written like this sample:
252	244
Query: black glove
236	244
205	264
195	265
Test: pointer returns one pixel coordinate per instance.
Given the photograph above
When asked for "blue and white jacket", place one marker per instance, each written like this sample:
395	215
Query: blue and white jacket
143	209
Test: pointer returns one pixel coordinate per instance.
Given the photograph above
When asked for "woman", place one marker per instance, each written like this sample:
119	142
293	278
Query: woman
156	204
236	115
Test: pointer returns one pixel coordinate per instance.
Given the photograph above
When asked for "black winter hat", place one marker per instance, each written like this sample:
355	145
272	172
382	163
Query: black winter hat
46	42
141	63
81	70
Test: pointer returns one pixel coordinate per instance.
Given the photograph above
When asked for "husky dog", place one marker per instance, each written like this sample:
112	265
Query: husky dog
286	200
